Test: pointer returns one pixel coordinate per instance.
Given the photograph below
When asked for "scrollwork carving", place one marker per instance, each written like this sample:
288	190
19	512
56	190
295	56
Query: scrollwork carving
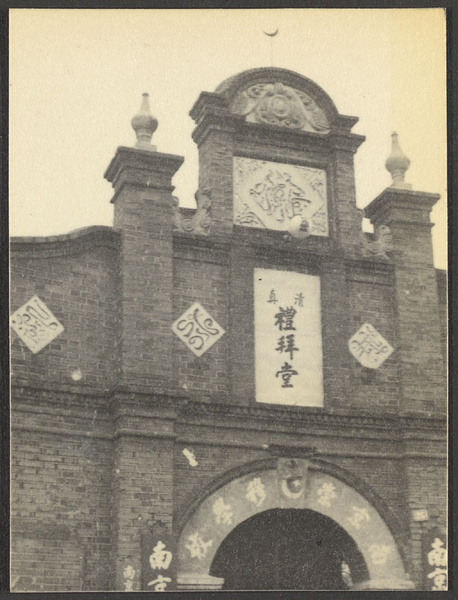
200	221
379	246
281	105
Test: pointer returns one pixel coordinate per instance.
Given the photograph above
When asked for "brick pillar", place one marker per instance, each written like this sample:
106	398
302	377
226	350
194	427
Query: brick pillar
214	136
421	360
142	488
143	213
347	215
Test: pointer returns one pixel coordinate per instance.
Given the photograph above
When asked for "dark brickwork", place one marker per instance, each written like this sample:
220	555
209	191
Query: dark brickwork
77	278
97	460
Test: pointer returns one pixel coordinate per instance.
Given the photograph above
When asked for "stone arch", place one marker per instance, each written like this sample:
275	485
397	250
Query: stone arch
230	87
227	502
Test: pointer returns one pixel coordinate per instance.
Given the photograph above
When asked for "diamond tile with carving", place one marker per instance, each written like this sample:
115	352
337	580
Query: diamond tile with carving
369	347
197	329
35	324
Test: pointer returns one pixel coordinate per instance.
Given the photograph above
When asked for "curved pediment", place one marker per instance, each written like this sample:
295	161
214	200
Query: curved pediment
279	97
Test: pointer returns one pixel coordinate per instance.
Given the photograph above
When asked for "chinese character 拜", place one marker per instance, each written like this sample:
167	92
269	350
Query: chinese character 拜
284	318
299	299
160	583
286	373
286	345
256	491
160	558
272	297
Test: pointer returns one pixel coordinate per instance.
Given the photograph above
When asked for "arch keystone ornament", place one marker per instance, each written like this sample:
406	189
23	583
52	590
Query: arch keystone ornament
290	484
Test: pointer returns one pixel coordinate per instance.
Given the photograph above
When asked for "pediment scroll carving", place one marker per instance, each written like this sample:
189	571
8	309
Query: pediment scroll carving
281	105
199	221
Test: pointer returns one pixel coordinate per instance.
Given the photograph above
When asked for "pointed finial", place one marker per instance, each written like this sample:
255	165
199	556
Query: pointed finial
397	164
144	125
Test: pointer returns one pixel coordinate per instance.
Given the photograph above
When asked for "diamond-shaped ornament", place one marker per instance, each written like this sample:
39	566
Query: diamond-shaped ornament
369	347
35	324
197	329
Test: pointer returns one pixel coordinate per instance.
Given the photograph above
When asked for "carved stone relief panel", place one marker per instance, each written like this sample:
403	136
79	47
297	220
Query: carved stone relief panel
281	105
268	195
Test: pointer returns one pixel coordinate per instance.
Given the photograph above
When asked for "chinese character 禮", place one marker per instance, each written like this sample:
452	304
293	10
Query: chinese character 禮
284	318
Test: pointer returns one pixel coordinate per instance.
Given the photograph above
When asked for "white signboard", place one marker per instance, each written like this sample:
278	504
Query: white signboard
288	350
35	324
269	194
197	329
369	347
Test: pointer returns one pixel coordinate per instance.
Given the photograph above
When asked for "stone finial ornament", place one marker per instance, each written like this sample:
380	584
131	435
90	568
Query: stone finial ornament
144	125
397	164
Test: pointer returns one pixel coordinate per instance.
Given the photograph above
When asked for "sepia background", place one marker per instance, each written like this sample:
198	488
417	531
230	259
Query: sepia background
76	79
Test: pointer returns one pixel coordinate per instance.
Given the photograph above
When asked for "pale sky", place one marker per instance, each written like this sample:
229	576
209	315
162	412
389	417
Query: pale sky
76	79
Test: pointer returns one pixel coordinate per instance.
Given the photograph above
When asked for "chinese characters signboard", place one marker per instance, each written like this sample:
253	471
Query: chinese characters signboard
434	561
268	194
197	329
288	350
369	347
35	324
158	560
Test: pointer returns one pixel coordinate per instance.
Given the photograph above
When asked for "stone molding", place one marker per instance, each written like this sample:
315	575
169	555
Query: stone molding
74	242
181	409
184	513
401	206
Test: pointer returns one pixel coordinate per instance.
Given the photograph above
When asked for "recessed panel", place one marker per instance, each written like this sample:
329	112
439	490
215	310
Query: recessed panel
268	195
288	348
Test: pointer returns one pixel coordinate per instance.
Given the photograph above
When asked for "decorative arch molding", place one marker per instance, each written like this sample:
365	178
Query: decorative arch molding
335	492
232	86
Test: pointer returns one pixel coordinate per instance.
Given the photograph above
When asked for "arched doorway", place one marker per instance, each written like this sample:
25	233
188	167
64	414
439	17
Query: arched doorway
341	508
289	549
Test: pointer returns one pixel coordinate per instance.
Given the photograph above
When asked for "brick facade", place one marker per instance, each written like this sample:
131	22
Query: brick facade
96	460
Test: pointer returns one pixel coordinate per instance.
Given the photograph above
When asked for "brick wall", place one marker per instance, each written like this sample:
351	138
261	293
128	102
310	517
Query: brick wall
61	501
76	277
197	280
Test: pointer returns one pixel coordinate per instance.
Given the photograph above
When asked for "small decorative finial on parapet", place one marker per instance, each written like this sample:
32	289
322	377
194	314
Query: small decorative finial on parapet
144	125
397	164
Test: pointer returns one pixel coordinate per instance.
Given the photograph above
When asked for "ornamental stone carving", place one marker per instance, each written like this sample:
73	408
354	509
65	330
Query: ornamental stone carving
198	221
379	246
267	195
281	105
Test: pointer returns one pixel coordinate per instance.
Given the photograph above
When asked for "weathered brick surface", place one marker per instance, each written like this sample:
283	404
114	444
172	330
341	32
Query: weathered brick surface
97	461
78	283
60	503
422	364
204	282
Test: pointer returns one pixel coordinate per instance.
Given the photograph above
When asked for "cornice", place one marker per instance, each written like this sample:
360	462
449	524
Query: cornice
74	242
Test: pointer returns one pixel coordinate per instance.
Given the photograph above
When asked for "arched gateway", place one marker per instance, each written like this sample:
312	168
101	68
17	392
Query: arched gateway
275	528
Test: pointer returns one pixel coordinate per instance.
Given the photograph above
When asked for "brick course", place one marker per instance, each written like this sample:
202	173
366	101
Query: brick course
96	462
